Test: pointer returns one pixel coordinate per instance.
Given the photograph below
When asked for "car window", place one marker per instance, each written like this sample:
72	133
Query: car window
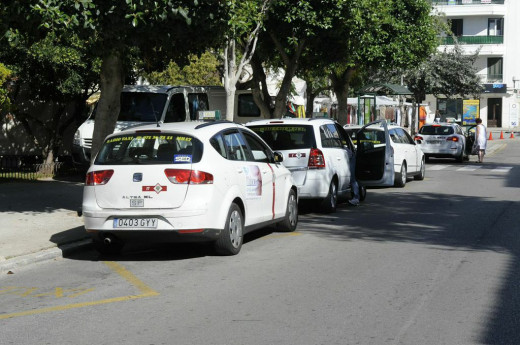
150	148
345	138
285	137
260	152
218	144
329	136
436	130
197	102
404	137
236	148
176	111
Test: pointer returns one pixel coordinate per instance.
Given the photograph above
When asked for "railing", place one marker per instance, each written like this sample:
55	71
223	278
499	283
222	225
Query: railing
449	40
467	2
14	167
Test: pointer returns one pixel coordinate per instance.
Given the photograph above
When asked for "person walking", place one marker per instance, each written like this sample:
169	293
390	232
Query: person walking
480	140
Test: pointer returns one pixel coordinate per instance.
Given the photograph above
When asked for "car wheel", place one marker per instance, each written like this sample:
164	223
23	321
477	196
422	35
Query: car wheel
401	177
422	172
330	202
460	158
291	214
362	193
231	238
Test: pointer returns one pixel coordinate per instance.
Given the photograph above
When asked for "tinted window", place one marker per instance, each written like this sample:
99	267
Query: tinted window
247	106
150	148
235	146
285	137
260	152
176	109
141	106
329	136
197	102
436	130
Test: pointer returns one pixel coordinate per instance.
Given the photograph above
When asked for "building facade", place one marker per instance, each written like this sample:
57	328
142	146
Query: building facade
492	28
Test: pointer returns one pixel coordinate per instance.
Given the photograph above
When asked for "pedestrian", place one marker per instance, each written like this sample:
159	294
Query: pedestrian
480	140
353	182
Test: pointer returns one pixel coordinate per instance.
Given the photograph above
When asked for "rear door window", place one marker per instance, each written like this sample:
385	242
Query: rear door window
436	130
286	137
150	148
329	136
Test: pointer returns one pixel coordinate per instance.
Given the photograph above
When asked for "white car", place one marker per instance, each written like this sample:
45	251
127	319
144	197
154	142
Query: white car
387	155
189	181
315	152
442	140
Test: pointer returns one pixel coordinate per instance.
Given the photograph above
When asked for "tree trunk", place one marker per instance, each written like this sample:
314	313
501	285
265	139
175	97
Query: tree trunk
261	94
110	101
280	105
340	85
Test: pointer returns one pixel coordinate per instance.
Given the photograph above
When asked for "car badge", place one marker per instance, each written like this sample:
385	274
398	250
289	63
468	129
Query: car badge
138	177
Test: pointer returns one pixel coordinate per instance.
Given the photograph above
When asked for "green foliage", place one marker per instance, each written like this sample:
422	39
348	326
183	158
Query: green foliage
201	70
5	102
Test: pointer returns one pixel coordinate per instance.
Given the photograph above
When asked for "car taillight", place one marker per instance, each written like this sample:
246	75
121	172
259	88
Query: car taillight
99	177
187	176
452	139
316	159
418	137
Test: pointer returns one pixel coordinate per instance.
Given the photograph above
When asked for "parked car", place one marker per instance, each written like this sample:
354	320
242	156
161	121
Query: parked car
188	181
386	155
315	152
442	140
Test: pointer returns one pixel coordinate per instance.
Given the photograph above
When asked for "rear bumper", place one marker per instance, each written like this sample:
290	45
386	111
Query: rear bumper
452	151
315	186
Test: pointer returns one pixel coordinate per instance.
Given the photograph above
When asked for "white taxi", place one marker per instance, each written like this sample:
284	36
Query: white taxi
189	181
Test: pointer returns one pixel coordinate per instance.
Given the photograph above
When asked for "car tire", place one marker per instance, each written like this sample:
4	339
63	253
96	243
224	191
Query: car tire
362	193
460	158
231	238
330	203
422	172
401	177
290	221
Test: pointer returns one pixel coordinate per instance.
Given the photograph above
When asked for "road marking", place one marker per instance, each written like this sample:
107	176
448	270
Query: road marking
58	292
438	167
501	170
469	168
283	235
145	291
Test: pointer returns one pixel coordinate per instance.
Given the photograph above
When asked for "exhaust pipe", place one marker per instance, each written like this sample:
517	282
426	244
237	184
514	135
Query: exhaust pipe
107	241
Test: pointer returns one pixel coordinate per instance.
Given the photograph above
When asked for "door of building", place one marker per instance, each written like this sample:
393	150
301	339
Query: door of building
494	112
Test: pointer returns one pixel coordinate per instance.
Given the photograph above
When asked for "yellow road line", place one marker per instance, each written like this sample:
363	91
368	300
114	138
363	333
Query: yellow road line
145	290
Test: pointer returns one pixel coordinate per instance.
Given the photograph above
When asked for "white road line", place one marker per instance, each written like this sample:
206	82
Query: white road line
501	170
438	167
469	168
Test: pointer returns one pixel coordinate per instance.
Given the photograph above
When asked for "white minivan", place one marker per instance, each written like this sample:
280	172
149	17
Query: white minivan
145	104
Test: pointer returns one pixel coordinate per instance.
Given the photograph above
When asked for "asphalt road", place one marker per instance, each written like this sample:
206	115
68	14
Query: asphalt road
437	262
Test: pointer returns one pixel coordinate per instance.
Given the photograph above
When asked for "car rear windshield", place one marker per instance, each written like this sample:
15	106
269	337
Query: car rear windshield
285	137
436	130
150	148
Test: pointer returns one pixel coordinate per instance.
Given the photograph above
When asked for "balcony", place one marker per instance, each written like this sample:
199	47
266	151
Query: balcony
466	2
448	40
490	78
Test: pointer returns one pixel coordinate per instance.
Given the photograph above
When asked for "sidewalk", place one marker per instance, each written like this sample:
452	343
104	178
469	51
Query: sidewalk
39	221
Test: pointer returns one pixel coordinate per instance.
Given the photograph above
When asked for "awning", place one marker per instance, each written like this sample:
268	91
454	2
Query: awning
384	89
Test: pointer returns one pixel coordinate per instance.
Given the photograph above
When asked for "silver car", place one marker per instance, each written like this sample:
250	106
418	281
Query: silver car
442	140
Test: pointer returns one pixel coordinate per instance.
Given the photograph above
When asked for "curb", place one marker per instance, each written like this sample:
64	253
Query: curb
61	251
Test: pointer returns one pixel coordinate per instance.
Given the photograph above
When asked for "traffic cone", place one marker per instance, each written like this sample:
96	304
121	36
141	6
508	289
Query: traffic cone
501	135
512	136
490	136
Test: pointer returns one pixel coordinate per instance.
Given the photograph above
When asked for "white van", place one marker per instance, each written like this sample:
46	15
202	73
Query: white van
142	104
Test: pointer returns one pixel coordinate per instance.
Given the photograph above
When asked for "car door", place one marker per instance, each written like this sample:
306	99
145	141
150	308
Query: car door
336	155
374	155
410	152
261	187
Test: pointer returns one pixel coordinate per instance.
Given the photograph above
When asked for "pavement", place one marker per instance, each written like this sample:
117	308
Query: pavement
40	219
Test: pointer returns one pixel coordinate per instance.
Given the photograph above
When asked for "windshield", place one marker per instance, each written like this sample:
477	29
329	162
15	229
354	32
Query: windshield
436	130
285	137
140	106
150	148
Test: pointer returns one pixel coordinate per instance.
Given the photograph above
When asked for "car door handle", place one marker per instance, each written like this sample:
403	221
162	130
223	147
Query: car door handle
240	171
265	171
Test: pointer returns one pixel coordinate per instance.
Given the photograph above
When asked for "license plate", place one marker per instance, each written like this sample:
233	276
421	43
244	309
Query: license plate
135	223
136	202
434	141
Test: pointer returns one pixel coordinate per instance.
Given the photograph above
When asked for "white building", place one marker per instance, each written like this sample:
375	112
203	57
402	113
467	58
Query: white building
493	26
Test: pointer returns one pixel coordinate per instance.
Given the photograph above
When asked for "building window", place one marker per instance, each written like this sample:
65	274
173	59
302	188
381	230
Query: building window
496	27
494	69
456	27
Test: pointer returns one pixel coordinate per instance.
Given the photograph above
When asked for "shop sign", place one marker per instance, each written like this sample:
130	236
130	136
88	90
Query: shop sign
495	88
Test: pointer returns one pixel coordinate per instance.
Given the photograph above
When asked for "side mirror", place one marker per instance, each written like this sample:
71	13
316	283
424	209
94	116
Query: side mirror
278	157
